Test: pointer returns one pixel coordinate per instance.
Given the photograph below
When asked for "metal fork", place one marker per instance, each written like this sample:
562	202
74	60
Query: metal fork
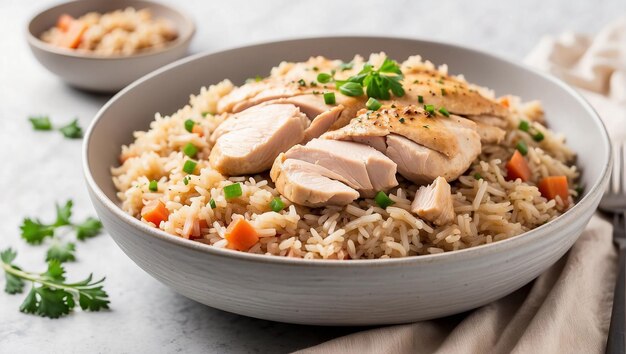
614	203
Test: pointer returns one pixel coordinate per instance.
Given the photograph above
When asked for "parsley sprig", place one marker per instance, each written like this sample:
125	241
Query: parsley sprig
34	232
50	295
376	83
71	130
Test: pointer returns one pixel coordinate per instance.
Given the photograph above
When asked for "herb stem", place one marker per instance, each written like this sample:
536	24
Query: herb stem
38	279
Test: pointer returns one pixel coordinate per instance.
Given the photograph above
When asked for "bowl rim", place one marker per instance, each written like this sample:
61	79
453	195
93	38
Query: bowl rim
578	210
64	52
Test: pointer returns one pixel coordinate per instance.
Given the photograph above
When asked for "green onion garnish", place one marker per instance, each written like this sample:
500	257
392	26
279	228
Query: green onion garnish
189	166
212	203
522	147
186	180
373	104
204	114
277	204
477	176
323	78
189	125
443	92
429	108
190	150
153	186
538	137
233	191
351	89
301	82
420	99
329	98
401	120
524	126
444	111
383	200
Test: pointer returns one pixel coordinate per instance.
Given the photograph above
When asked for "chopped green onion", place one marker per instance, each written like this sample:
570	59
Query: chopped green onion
538	136
346	66
190	150
324	78
524	126
313	84
522	147
329	98
420	99
351	89
40	123
443	92
426	126
477	176
373	104
315	68
301	82
579	191
212	203
233	191
444	111
429	108
277	204
186	180
383	200
189	125
402	120
153	186
189	166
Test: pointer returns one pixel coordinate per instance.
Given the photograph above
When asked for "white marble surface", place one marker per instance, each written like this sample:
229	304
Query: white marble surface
41	168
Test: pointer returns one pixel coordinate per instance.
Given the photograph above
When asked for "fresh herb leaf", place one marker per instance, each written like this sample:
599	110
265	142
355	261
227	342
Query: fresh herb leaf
50	296
64	213
378	82
34	231
41	123
351	89
324	78
87	229
72	130
373	104
63	252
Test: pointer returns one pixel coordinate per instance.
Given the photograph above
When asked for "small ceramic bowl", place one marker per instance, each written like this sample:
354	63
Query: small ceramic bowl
333	292
105	73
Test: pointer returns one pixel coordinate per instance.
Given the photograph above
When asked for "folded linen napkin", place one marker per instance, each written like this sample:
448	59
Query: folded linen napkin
568	308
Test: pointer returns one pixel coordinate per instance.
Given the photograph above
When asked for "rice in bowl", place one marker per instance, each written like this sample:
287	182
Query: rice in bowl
488	206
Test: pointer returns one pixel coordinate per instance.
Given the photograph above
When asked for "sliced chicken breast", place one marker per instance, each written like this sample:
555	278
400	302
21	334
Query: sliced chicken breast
306	184
434	202
249	141
423	165
455	95
359	166
423	146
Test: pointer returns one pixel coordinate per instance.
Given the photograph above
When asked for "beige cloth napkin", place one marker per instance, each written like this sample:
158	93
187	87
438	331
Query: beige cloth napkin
568	308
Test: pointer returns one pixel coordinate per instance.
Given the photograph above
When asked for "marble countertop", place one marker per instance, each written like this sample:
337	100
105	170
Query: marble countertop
43	168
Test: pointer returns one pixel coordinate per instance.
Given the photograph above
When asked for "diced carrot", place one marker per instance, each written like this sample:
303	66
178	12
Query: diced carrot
64	22
505	102
241	235
73	35
155	212
203	224
552	186
517	167
197	129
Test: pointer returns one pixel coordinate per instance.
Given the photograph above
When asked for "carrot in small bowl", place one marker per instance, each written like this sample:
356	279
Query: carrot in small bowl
552	186
517	167
155	212
73	35
241	235
64	22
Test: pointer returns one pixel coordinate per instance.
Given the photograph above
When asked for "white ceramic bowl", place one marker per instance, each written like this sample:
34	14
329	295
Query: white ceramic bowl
104	73
330	292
